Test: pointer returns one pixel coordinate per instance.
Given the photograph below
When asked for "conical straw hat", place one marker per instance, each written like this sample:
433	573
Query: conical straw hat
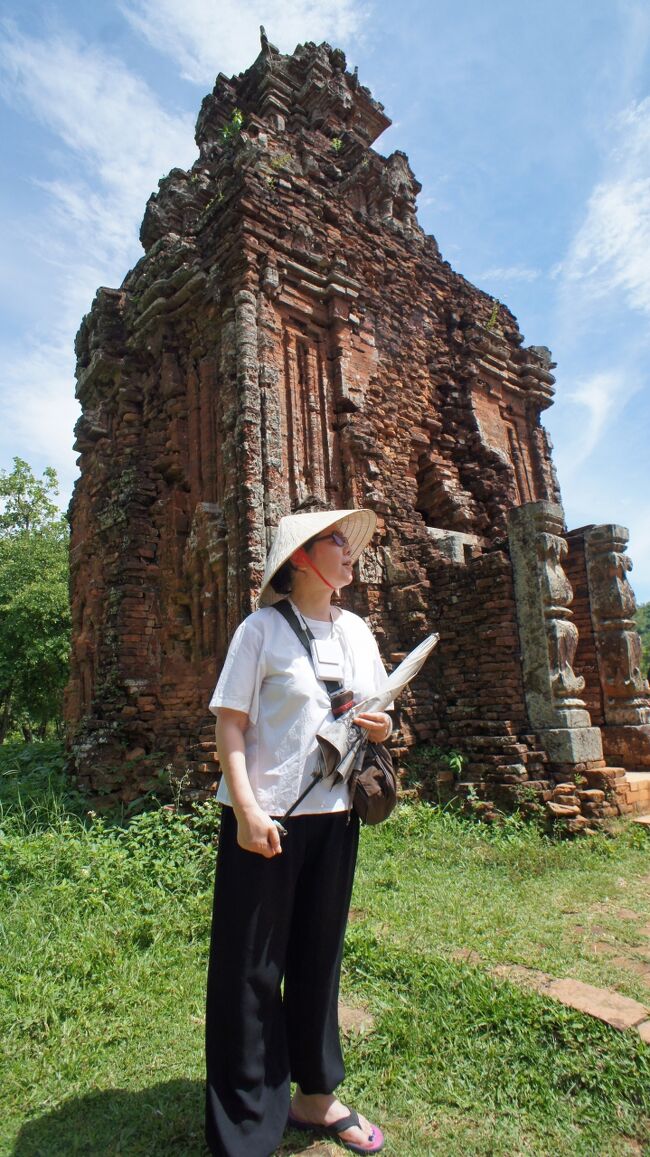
295	530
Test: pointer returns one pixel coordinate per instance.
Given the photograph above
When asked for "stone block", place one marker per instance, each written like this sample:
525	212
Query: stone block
619	1011
591	795
562	811
643	1030
572	745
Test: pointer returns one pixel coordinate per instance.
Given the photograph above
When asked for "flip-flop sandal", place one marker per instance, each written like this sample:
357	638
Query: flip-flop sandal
375	1143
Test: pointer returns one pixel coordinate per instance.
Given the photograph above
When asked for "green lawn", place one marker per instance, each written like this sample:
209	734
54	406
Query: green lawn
104	933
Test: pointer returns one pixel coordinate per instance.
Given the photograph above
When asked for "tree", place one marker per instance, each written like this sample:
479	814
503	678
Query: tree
26	506
34	603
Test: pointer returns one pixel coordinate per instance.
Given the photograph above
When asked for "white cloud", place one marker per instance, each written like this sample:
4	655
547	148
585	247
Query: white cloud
109	120
113	142
205	37
509	273
610	253
598	396
38	409
603	299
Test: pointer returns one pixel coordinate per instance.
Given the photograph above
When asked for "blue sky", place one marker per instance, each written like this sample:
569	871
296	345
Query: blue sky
527	124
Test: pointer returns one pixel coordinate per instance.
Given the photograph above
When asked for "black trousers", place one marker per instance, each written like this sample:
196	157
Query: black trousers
275	960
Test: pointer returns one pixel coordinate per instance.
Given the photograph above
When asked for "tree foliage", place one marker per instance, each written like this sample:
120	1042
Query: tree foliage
26	502
34	603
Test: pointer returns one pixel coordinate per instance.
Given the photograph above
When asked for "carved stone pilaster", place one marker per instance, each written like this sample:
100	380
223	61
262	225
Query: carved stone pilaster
548	636
625	691
249	439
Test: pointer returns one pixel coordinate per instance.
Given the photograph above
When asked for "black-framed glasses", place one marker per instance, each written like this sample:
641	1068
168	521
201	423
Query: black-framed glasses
335	537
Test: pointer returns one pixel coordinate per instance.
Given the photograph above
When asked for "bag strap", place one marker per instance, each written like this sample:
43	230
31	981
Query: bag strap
331	685
305	636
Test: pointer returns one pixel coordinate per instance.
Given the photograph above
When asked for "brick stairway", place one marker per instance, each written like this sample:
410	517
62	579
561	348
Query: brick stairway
636	790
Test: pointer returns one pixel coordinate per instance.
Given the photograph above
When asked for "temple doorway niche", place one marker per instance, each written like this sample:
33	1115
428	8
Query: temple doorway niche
310	441
447	509
206	570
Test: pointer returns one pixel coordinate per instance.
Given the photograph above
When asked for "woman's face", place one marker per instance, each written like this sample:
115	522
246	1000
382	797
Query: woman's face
331	558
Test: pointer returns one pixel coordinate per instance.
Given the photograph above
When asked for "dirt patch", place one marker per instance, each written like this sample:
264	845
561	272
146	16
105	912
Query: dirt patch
355	1020
316	1148
466	956
526	977
638	967
603	948
356	914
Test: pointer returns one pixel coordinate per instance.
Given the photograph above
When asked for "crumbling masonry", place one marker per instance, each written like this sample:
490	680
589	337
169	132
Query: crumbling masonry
292	331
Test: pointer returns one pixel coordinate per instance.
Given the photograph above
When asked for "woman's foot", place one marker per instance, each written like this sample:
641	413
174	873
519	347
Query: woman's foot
324	1110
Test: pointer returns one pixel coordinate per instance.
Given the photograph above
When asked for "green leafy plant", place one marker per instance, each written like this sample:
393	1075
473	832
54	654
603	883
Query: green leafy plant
425	763
494	315
337	144
233	127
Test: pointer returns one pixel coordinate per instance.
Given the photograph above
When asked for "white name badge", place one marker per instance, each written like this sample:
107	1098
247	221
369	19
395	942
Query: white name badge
328	658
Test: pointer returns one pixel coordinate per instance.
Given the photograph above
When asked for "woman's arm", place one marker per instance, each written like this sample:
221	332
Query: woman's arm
256	831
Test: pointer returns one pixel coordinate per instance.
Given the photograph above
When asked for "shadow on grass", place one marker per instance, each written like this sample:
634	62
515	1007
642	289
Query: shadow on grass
163	1119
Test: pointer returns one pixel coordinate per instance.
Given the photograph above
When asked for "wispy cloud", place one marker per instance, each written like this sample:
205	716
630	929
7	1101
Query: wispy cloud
39	428
205	38
598	396
610	253
113	141
603	286
508	273
602	303
121	138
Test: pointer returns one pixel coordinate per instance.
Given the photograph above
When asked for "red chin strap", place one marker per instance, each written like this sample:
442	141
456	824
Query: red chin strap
304	557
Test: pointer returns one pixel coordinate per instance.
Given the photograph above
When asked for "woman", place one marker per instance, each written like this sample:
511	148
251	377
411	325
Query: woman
281	902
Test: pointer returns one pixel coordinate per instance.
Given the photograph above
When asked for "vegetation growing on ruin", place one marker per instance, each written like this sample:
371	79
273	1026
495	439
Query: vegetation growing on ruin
231	131
105	935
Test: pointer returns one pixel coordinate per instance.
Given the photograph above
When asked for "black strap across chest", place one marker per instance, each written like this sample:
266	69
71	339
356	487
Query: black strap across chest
305	635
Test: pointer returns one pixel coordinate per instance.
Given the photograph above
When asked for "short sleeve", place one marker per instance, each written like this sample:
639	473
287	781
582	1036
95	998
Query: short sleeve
239	683
381	676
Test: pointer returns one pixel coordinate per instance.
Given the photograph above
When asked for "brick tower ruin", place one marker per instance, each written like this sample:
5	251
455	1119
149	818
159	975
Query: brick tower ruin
290	331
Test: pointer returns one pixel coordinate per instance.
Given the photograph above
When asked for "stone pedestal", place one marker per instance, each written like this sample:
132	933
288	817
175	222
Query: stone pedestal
548	636
625	691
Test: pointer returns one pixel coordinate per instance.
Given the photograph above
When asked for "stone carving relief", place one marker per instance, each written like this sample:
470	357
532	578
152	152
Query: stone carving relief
385	190
397	189
548	636
561	632
618	646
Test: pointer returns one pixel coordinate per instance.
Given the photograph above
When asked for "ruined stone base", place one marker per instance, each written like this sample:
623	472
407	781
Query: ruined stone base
628	744
633	793
572	744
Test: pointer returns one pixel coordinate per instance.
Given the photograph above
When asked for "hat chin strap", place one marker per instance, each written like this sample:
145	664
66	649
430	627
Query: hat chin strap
315	569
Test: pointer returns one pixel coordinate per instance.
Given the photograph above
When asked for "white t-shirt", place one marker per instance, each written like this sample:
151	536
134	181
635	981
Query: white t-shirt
269	675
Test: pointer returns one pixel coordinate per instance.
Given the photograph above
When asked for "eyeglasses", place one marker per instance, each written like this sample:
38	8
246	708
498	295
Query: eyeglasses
335	537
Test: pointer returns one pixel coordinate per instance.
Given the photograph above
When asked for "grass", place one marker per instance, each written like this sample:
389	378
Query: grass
104	933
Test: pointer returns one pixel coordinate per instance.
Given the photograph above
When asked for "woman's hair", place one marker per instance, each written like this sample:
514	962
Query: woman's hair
283	577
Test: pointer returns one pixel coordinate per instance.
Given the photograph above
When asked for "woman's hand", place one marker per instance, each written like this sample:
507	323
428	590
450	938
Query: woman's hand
256	832
377	723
